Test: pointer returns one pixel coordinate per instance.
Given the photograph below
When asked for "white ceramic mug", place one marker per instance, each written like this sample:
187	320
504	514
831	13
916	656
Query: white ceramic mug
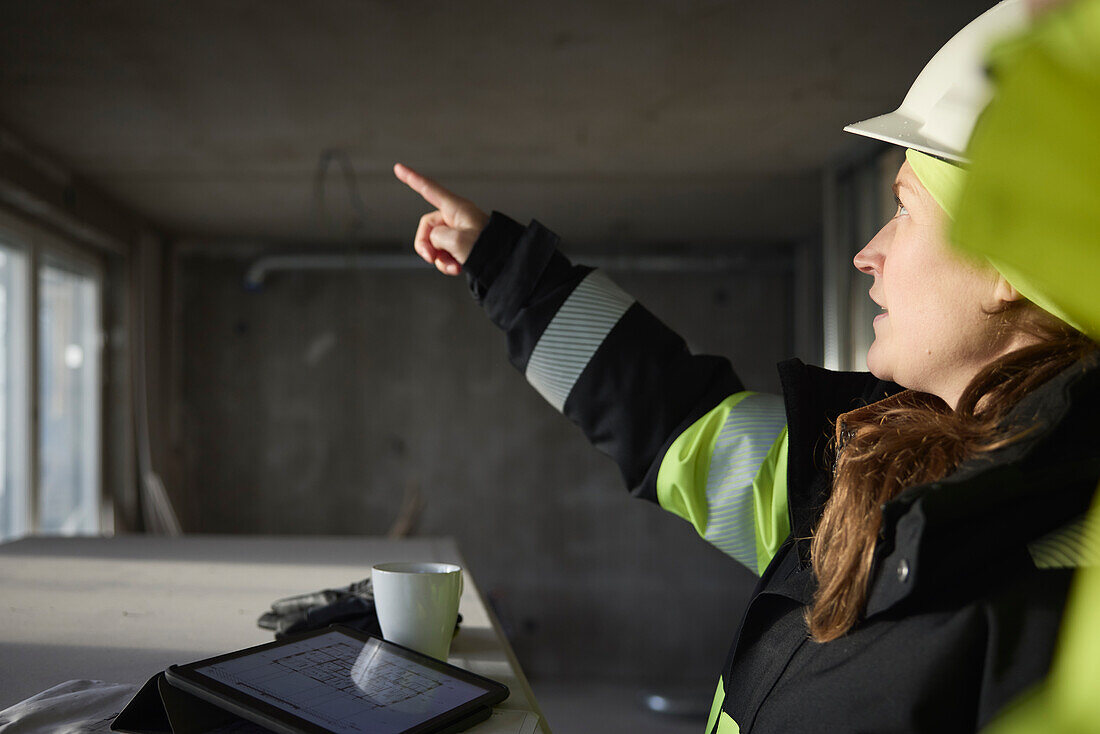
417	604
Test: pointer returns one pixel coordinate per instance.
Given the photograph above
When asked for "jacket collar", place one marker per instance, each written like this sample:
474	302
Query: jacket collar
815	398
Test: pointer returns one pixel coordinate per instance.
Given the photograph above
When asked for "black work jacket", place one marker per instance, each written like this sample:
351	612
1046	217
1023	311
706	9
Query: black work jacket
959	618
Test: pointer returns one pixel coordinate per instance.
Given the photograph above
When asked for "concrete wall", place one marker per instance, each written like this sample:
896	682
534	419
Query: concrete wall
309	407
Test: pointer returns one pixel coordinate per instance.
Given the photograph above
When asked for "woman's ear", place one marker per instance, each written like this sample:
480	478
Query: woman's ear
1004	292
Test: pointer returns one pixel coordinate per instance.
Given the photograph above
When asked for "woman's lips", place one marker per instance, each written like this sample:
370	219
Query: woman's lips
882	315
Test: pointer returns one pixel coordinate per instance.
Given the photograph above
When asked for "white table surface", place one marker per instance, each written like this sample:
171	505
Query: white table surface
121	609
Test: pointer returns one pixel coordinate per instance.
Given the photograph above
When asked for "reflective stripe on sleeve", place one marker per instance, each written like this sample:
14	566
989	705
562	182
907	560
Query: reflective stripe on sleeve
723	476
747	437
574	335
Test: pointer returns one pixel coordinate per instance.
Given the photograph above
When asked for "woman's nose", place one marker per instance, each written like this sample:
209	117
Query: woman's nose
869	259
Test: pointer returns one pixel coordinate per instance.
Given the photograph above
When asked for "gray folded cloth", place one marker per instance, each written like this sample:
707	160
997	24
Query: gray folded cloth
352	606
302	602
72	707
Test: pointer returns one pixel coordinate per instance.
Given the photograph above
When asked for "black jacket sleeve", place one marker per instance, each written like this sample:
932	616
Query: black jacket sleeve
605	361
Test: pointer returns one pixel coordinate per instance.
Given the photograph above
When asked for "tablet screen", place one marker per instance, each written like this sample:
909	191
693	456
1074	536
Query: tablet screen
344	684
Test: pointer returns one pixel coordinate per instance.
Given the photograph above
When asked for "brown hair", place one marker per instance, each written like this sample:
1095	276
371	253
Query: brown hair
910	439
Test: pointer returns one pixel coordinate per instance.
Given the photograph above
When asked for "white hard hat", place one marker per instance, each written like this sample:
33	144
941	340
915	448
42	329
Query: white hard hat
939	112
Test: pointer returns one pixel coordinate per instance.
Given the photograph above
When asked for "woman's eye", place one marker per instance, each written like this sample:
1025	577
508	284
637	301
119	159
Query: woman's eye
901	208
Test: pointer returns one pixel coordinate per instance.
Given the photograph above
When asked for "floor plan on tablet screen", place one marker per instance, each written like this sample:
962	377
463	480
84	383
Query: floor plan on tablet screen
344	684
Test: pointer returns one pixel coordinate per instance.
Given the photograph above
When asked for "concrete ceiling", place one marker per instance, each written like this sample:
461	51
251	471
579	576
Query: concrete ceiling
693	120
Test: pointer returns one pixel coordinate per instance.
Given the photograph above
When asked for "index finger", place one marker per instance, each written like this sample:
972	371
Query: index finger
432	192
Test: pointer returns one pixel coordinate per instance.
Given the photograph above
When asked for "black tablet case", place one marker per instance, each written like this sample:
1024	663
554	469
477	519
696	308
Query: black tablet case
161	708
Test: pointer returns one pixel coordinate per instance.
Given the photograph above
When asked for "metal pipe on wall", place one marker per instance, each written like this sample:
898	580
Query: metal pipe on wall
260	268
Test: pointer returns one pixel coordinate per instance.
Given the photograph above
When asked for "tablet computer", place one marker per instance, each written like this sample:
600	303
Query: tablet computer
341	680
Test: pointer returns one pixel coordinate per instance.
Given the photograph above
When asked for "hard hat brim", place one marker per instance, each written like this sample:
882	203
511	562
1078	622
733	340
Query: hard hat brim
898	128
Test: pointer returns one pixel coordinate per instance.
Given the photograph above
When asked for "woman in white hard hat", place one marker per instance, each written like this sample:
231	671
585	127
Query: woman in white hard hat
912	569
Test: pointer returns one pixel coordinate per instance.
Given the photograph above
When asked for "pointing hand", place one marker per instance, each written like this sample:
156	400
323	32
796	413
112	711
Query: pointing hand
446	235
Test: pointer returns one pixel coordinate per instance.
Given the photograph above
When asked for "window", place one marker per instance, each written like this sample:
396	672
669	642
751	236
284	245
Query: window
69	401
50	387
14	406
